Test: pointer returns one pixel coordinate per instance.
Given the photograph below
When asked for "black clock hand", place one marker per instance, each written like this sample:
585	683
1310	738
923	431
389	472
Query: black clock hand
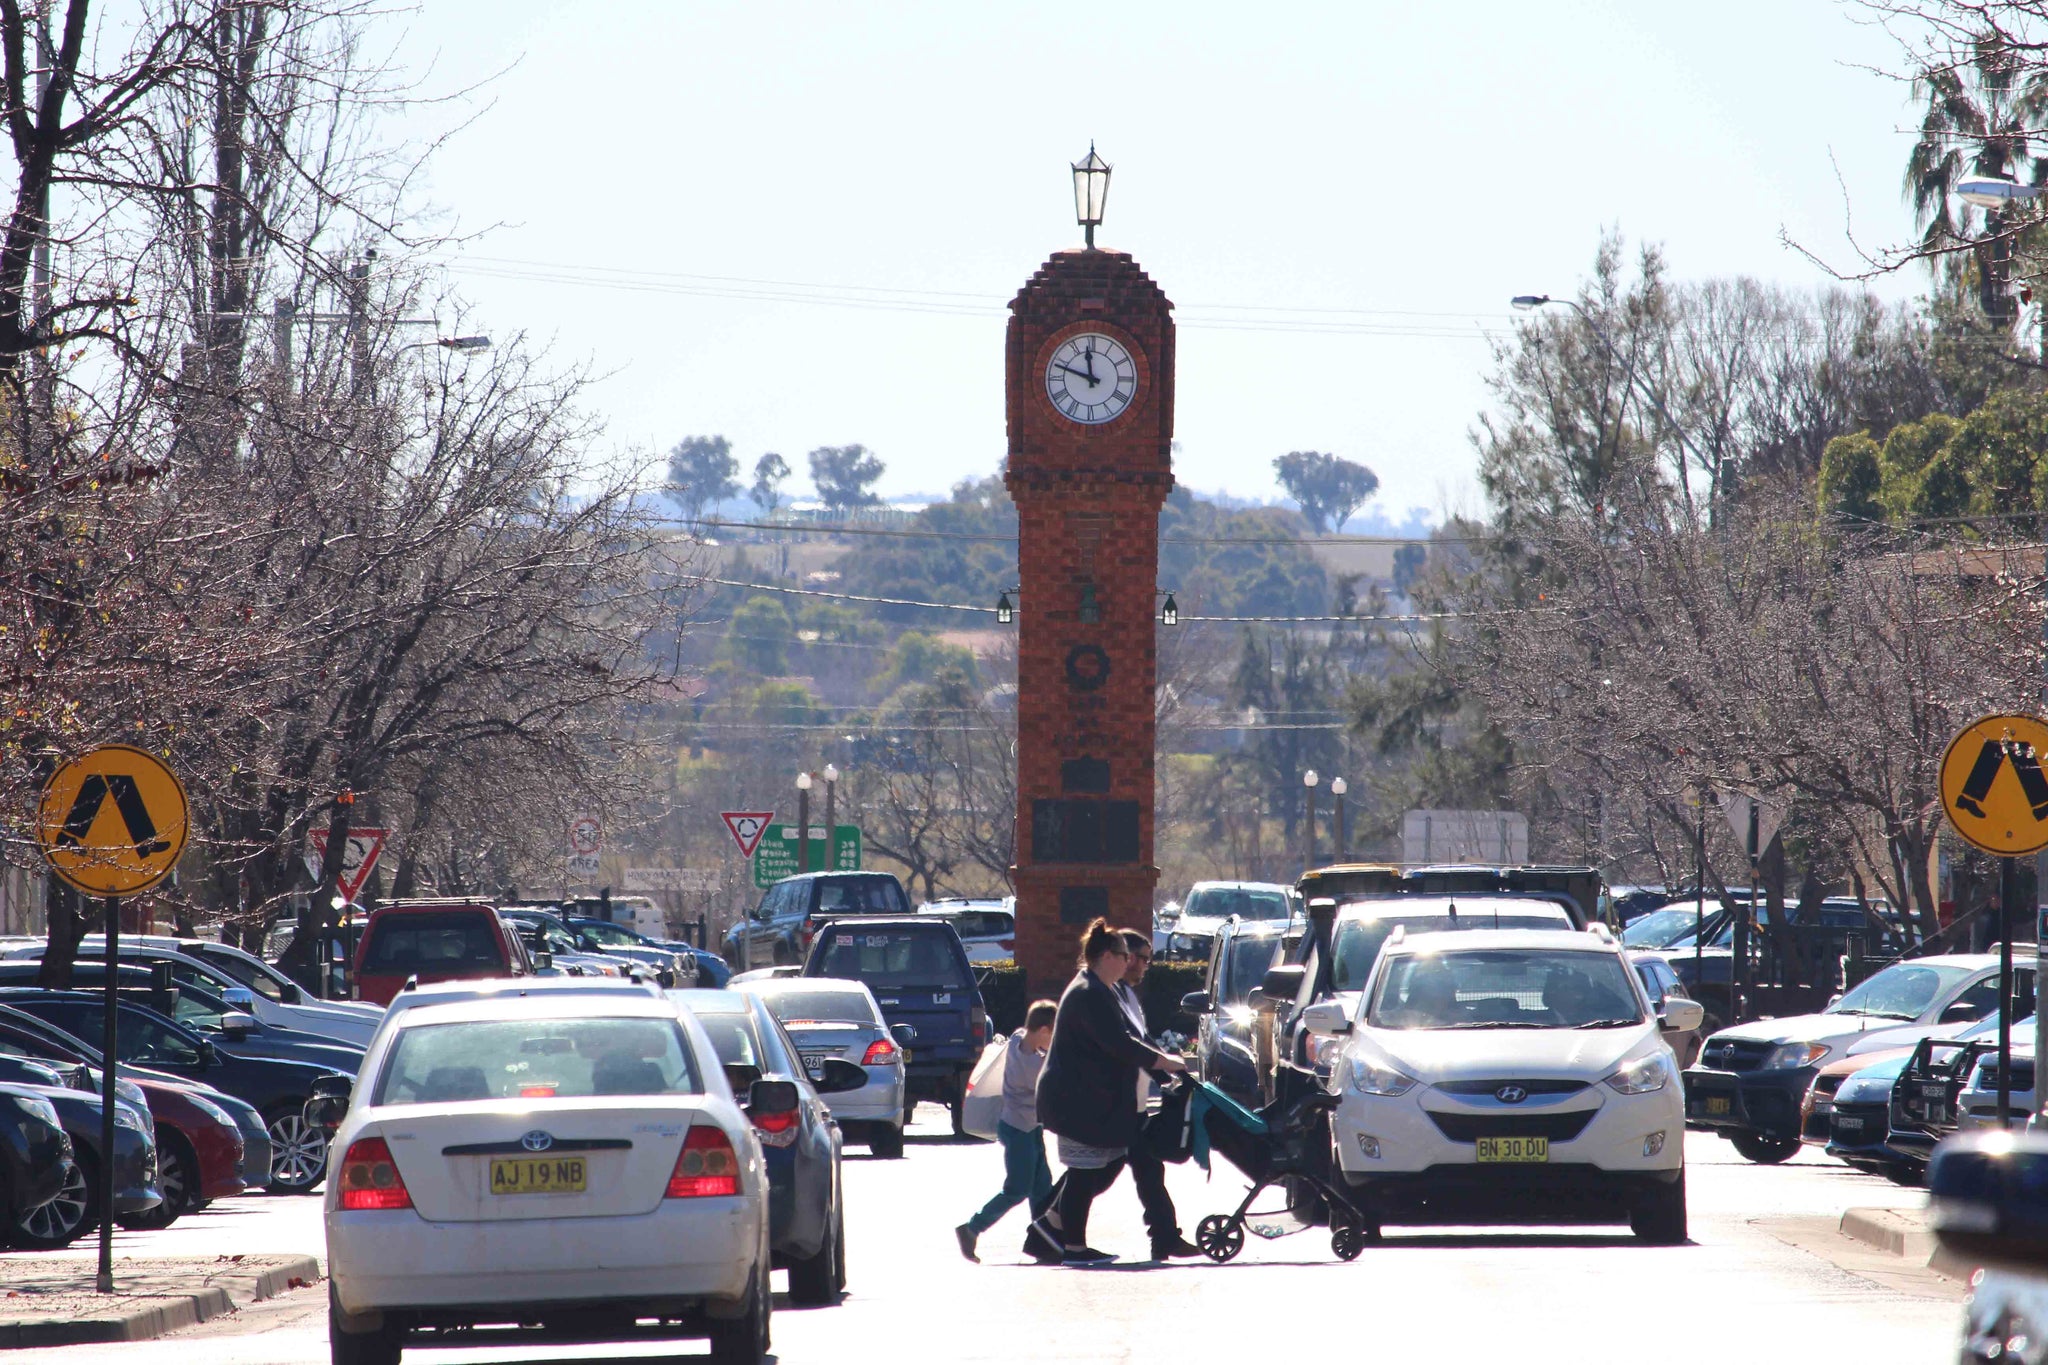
1092	380
1089	356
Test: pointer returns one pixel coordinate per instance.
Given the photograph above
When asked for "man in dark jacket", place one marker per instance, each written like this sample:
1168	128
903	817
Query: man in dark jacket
1148	1172
1087	1095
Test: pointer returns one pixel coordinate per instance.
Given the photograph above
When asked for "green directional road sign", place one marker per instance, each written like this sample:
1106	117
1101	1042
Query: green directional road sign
776	857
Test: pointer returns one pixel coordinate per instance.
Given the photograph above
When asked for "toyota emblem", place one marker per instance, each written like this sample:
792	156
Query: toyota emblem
537	1141
1511	1094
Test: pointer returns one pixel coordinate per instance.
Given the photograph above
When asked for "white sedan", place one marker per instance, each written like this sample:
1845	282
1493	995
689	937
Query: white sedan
570	1163
1509	1076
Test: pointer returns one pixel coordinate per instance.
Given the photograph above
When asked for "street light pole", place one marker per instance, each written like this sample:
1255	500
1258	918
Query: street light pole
1309	780
831	812
803	822
1342	852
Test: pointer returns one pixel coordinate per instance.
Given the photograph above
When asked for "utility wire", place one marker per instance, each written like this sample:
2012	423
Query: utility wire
995	538
1391	617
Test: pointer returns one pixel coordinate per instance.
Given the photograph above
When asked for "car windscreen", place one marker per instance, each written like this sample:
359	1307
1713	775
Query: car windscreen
1363	927
861	896
1221	902
1245	964
980	923
431	941
1497	988
821	1007
895	959
608	934
245	972
1662	928
504	1059
1903	990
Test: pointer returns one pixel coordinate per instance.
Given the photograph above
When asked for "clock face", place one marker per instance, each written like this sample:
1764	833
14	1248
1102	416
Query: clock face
1091	378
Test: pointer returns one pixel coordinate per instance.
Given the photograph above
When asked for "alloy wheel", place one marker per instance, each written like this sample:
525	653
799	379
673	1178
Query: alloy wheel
298	1153
63	1217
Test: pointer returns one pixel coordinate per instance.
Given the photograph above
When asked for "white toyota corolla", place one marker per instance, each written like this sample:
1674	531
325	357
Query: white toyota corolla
574	1164
1509	1077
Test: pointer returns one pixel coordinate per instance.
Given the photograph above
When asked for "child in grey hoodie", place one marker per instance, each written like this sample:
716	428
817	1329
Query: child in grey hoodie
1026	1175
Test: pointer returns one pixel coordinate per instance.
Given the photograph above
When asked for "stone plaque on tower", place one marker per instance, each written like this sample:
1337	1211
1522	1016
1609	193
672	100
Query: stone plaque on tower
1089	389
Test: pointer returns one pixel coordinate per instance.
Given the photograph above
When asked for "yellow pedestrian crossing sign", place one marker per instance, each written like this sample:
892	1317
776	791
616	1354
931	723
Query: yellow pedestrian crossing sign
1992	787
112	822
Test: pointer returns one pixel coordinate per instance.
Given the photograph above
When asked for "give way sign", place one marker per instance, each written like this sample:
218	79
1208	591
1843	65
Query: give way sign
364	846
746	828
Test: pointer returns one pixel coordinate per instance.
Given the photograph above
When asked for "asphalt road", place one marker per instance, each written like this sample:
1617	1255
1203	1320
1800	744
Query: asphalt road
1740	1293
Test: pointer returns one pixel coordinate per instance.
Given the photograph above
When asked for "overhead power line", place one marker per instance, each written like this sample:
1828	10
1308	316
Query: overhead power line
1398	618
995	538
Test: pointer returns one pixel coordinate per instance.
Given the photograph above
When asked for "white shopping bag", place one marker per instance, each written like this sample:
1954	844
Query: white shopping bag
984	1104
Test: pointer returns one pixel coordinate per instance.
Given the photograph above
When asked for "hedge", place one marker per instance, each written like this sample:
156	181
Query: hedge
1004	996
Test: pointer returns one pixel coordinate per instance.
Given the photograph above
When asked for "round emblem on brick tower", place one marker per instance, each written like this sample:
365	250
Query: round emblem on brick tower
1087	667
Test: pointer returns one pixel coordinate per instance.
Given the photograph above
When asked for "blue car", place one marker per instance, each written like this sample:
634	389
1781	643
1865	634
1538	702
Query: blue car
606	936
806	1213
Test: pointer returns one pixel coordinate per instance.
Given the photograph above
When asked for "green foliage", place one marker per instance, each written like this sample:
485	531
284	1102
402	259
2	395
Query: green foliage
701	473
1250	563
1004	996
835	623
1851	481
845	476
918	658
760	637
1908	450
771	471
939	569
1328	488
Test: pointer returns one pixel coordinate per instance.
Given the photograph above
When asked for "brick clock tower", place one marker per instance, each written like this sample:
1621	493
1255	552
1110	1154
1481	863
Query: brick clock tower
1088	383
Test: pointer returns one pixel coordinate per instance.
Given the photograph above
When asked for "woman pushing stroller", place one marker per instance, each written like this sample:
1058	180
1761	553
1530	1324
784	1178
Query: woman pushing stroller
1087	1096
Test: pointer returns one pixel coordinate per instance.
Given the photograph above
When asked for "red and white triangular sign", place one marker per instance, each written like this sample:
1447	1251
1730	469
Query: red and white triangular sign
364	845
747	827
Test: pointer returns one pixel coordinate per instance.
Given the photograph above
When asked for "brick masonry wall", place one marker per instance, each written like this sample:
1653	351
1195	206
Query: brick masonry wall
1088	500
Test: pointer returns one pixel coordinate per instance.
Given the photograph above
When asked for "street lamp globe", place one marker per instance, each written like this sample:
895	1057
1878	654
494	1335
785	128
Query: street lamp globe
1310	778
803	782
831	772
1169	612
1524	302
1091	191
1005	613
1992	192
1338	786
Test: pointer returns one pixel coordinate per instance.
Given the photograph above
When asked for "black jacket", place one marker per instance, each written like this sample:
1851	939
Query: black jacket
1089	1088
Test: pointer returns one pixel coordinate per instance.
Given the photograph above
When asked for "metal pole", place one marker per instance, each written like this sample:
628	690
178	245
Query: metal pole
110	1041
1699	903
1739	969
1311	862
831	824
803	829
2008	892
1343	852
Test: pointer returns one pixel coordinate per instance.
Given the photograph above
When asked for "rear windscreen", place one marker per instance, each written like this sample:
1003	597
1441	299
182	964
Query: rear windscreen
503	1059
895	959
431	942
866	896
821	1007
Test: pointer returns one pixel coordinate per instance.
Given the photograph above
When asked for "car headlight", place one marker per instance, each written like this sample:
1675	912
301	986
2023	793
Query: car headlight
211	1110
1795	1054
1370	1078
1180	943
1643	1075
124	1117
42	1109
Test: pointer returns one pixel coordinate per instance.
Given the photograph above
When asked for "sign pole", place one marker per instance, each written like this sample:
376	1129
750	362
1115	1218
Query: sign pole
2008	892
1699	898
109	1029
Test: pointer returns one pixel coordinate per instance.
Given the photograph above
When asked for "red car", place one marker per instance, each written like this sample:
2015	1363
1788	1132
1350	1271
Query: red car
434	940
201	1156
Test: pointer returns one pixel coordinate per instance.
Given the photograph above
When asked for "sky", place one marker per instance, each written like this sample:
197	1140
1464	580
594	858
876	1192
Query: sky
797	224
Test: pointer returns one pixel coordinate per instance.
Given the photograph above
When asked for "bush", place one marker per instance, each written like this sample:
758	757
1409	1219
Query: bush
1004	995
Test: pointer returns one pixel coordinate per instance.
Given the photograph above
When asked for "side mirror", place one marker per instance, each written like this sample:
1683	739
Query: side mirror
1961	1012
290	994
903	1034
772	1097
329	1103
741	1076
239	998
543	960
1196	1002
1280	988
1679	1015
837	1076
1326	1019
235	1024
208	1053
1988	1198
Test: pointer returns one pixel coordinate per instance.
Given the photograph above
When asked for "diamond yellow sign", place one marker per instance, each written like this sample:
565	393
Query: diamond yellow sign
1992	787
112	822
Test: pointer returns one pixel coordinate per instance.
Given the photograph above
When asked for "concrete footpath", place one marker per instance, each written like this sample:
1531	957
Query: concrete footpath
50	1301
1904	1233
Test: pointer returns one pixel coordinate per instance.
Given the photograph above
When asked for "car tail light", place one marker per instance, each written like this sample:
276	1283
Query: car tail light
881	1052
978	1026
370	1178
776	1130
707	1165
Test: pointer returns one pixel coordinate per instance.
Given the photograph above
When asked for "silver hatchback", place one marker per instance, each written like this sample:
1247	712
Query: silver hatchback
829	1018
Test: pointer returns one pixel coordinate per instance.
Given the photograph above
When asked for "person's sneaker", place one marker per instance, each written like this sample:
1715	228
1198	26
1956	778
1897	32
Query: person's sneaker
1041	1246
1178	1249
1088	1256
968	1237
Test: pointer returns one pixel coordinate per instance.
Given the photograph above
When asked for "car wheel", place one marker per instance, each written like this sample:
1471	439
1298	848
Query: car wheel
74	1211
887	1142
381	1347
742	1340
839	1251
814	1279
177	1179
1660	1218
298	1151
1764	1149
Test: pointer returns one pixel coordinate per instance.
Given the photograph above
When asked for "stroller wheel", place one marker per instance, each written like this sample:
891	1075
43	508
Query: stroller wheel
1219	1237
1347	1241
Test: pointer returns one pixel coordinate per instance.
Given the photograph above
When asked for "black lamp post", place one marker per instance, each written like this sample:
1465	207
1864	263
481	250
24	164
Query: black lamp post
1091	192
1337	789
1309	780
803	822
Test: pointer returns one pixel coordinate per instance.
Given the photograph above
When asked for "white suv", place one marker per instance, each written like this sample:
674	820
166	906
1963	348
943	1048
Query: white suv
1509	1077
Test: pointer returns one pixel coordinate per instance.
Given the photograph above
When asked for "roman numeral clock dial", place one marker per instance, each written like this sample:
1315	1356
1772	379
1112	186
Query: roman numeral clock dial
1091	379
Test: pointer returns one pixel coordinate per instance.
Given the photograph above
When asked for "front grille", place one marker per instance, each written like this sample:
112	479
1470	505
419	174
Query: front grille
1735	1054
1534	1087
1472	1127
1827	1084
2022	1076
1859	1125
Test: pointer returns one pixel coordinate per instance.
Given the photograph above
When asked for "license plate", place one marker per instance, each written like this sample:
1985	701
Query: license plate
539	1175
1848	1125
1934	1090
1716	1104
1514	1149
815	1061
